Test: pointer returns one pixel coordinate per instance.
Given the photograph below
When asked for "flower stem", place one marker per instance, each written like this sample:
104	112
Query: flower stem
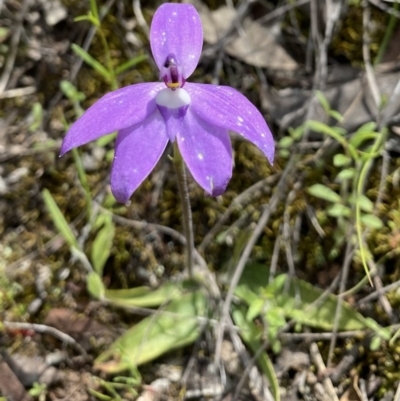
186	209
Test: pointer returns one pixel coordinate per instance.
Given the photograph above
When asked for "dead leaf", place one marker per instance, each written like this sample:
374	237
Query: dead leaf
288	107
255	44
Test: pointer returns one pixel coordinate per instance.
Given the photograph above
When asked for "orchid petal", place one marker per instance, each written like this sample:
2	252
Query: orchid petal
116	110
225	107
137	151
173	119
207	152
176	29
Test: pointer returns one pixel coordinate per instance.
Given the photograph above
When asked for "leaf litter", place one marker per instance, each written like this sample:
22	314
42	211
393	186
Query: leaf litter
35	42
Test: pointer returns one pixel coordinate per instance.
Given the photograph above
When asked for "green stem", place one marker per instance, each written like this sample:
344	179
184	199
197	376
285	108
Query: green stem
388	34
186	209
360	189
95	14
83	179
110	68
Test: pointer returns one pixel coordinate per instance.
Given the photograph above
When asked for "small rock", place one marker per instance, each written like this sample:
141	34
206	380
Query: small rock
3	186
54	11
10	386
16	175
33	369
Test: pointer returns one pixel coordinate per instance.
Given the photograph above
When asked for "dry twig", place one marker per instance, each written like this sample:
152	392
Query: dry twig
43	329
9	65
268	210
327	383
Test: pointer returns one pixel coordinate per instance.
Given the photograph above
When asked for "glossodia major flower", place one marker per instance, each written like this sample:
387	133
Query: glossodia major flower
149	115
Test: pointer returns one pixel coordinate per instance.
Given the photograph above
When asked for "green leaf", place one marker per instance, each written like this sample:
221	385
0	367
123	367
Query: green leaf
89	18
285	142
341	160
323	192
106	139
360	137
69	90
297	304
4	32
338	210
244	292
95	285
323	101
94	9
130	63
251	335
59	220
296	299
346	174
275	318
318	126
284	153
367	127
37	117
372	221
296	133
375	343
275	285
172	328
336	115
144	297
255	308
366	205
102	245
88	59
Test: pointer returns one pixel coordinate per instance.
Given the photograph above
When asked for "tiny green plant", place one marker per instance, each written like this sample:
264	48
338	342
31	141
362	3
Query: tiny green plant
349	204
36	117
108	72
38	391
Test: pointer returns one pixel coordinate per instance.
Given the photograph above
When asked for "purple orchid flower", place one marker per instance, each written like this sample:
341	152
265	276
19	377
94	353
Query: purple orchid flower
149	115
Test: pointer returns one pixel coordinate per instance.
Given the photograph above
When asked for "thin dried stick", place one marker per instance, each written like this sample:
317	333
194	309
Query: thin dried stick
137	10
397	395
246	254
187	221
287	229
327	383
376	294
280	11
275	256
243	198
320	336
392	106
333	9
385	8
144	225
254	375
18	92
343	281
382	297
9	65
371	78
43	329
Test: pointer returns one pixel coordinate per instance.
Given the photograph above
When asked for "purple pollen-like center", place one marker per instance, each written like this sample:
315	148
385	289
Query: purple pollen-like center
172	73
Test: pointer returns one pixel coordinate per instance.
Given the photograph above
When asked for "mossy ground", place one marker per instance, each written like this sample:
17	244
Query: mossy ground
26	228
